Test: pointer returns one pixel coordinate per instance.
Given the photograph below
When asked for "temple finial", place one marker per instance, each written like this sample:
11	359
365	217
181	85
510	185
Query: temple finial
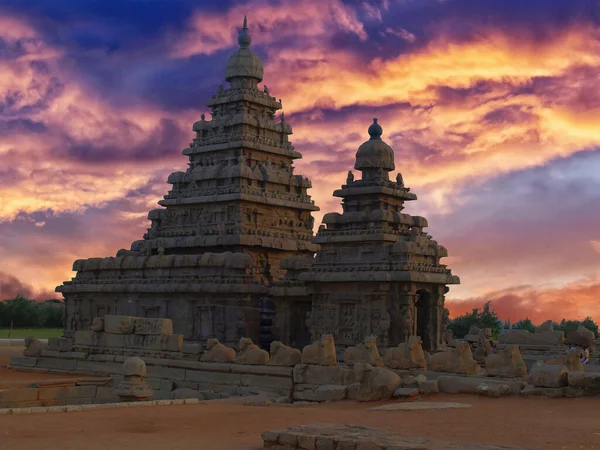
244	38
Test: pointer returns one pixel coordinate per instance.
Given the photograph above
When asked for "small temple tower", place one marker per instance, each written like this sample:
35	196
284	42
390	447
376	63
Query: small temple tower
215	247
376	272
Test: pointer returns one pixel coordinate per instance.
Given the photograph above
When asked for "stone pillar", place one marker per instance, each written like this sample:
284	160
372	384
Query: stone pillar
398	307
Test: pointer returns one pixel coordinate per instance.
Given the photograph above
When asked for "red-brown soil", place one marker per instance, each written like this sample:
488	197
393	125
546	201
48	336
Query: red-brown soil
525	422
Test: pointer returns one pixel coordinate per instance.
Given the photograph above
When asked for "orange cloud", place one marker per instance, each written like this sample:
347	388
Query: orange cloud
575	300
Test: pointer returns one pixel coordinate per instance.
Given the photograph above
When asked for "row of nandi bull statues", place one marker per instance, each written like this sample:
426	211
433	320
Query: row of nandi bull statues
406	356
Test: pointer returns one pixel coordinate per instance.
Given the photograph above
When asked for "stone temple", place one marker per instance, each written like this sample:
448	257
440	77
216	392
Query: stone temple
232	252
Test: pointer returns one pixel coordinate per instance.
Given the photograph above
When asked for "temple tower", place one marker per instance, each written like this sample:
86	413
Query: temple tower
376	272
215	247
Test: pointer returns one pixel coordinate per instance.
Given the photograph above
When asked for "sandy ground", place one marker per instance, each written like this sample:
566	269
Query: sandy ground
525	422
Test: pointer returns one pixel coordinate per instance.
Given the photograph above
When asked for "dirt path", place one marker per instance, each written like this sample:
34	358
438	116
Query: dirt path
525	422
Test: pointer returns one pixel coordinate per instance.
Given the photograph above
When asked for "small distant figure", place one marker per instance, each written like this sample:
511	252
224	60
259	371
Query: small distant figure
350	178
585	356
399	180
266	89
569	348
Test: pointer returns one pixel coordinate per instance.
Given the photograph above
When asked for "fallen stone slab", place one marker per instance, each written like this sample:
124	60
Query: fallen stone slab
468	385
420	406
429	387
551	376
336	436
494	390
543	391
405	392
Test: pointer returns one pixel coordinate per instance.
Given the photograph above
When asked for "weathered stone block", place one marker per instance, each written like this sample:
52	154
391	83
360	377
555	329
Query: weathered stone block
429	387
329	436
102	358
66	365
23	361
324	393
63	355
106	393
213	377
192	348
468	385
165	342
186	385
589	383
99	367
134	341
18	395
266	382
178	394
506	363
312	374
114	340
146	326
53	393
548	376
494	390
213	367
119	324
167	373
278	371
53	344
405	392
84	338
545	391
65	344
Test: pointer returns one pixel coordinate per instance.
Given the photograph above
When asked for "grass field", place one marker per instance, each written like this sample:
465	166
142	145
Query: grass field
39	333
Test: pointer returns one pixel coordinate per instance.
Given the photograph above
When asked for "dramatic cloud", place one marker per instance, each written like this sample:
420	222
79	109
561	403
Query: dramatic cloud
492	108
574	301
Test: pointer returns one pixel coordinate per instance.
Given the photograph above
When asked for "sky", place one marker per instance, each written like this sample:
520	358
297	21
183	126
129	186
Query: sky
492	108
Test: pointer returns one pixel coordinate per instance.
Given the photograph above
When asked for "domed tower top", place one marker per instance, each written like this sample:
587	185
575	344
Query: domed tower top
375	153
244	63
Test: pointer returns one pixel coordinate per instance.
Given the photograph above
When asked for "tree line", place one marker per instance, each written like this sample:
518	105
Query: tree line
487	318
21	312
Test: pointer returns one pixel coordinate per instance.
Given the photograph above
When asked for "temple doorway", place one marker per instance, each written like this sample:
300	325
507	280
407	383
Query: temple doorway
423	319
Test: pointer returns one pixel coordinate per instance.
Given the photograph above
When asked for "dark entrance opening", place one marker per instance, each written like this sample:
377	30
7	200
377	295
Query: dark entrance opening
267	320
423	318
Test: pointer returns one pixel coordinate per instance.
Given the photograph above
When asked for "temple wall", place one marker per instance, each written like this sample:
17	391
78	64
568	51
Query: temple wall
197	317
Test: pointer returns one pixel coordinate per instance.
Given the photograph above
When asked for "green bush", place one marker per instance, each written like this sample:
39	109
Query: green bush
524	324
21	312
486	318
570	325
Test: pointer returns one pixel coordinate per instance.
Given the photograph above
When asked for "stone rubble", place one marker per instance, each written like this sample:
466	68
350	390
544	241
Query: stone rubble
353	437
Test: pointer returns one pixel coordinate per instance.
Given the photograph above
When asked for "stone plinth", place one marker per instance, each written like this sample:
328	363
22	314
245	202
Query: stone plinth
133	388
334	436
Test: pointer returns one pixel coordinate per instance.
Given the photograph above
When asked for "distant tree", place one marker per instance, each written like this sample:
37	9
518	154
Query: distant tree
524	324
567	326
21	312
486	318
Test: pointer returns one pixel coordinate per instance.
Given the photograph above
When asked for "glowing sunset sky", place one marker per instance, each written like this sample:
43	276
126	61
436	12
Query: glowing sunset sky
492	107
